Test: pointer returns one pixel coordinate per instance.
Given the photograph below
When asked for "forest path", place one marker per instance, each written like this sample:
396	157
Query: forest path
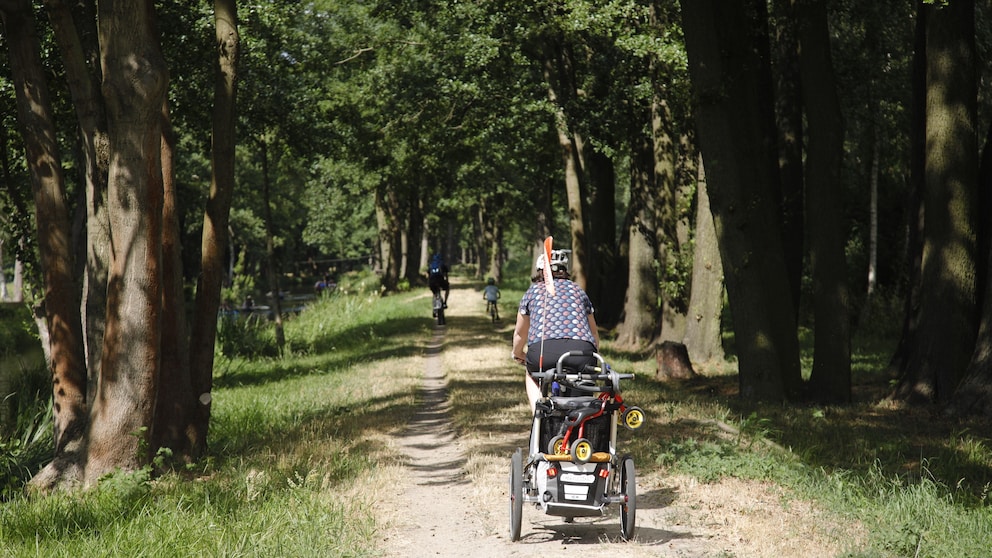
451	499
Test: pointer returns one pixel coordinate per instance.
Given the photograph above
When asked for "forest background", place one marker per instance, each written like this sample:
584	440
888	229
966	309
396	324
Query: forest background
776	170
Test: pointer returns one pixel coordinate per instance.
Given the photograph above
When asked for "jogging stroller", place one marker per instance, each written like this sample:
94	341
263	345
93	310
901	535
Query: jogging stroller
572	468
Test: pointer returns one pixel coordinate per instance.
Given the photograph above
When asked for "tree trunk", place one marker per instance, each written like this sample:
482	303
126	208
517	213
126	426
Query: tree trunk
673	362
914	204
639	324
558	93
67	362
387	218
703	336
830	380
175	402
736	134
948	320
135	81
789	116
83	84
667	242
216	218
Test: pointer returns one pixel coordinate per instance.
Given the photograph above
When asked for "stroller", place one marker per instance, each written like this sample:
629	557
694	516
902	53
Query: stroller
572	468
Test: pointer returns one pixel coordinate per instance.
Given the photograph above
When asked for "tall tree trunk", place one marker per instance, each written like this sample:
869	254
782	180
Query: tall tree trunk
948	320
914	203
216	219
83	80
555	74
135	82
388	220
61	304
639	325
736	133
703	334
496	251
830	380
974	394
175	402
789	115
666	238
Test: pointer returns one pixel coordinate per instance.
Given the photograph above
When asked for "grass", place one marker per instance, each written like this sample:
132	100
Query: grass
299	445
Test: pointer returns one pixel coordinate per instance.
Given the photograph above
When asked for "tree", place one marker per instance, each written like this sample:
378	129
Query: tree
730	80
703	336
831	376
947	320
215	240
61	306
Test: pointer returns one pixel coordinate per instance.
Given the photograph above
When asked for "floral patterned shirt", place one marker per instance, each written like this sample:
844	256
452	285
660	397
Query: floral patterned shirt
567	316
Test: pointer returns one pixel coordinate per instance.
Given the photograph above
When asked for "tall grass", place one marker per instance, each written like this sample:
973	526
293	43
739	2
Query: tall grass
291	441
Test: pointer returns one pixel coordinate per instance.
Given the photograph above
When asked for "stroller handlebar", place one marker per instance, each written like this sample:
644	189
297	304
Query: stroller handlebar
599	372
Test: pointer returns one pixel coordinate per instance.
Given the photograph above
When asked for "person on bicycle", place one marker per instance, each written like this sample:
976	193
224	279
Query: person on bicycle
491	294
437	277
549	326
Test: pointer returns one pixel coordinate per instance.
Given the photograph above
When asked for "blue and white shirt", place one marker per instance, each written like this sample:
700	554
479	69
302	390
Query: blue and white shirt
567	314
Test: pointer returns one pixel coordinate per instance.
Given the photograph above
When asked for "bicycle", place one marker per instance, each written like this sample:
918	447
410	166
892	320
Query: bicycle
439	308
493	310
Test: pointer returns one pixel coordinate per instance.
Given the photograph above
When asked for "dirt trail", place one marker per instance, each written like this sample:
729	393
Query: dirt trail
447	504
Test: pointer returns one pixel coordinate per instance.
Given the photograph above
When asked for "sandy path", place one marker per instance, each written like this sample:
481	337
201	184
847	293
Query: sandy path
447	504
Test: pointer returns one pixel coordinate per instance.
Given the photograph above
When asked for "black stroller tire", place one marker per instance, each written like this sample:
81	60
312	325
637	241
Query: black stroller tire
628	508
516	495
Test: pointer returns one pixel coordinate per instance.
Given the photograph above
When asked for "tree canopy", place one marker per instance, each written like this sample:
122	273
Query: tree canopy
840	146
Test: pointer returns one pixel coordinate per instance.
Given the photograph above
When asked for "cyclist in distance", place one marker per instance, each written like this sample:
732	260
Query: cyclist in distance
491	294
550	325
437	277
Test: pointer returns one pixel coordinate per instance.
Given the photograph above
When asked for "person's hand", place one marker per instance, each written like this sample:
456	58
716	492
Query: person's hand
517	359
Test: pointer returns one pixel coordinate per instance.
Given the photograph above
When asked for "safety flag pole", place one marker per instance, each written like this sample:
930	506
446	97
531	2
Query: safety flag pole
549	289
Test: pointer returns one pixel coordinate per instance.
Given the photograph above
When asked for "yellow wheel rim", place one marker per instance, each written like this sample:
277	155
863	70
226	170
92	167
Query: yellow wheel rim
583	451
634	419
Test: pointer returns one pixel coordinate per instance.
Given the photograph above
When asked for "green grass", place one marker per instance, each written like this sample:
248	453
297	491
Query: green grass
288	439
293	438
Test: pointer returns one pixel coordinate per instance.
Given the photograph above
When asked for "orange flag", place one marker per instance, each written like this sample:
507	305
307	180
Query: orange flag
549	282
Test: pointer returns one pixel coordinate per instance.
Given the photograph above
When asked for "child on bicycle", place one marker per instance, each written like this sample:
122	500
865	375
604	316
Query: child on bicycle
491	294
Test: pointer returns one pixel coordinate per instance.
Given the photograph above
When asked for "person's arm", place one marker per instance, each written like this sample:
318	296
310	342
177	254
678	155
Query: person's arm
519	352
594	328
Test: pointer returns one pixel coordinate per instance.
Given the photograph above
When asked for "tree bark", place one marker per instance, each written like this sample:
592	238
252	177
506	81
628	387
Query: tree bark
830	380
731	83
673	362
944	340
135	82
703	335
216	218
174	396
559	91
640	324
61	304
83	80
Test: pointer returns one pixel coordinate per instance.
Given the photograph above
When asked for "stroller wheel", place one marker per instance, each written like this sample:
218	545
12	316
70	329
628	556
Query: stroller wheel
633	418
516	495
557	446
581	451
628	509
